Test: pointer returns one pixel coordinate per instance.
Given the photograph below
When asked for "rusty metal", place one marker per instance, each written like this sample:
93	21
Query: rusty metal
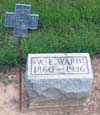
20	74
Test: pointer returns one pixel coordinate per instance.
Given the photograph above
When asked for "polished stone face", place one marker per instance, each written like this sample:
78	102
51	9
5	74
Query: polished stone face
21	20
58	76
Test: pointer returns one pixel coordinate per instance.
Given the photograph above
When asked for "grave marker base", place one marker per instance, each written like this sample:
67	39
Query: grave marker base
34	104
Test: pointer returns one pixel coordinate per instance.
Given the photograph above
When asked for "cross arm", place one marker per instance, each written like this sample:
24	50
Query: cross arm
9	19
33	21
23	8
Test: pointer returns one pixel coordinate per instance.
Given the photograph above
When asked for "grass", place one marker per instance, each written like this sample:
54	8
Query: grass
64	26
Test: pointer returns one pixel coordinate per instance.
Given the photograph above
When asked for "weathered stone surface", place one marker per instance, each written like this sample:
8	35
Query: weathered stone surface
58	77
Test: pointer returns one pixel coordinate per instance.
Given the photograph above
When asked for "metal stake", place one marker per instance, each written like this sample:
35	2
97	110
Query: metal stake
20	73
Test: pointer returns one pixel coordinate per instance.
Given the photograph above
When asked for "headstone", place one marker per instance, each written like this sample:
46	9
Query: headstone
56	80
21	20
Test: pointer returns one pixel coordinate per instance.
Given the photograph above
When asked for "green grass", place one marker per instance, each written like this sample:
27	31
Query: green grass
64	26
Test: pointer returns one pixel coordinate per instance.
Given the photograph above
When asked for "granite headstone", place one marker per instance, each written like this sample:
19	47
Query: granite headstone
54	79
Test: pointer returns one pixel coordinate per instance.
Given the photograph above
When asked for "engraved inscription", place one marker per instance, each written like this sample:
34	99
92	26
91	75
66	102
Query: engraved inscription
21	20
59	65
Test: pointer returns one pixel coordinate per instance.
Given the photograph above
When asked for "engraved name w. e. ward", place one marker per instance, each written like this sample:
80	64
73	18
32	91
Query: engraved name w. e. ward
59	65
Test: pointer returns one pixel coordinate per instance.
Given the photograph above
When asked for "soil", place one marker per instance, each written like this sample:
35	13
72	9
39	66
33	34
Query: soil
9	101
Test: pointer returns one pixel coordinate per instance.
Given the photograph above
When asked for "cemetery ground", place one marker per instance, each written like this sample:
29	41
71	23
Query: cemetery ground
9	95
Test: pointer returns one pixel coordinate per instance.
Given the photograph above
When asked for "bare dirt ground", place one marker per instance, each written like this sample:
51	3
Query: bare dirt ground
9	96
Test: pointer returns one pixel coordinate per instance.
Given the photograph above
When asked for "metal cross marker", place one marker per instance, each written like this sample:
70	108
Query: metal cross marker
21	20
